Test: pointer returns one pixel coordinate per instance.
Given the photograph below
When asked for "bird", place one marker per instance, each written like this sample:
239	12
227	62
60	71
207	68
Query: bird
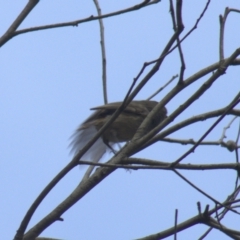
121	130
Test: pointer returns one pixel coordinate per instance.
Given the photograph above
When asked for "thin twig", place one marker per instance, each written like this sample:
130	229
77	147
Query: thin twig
161	88
24	223
198	219
235	101
225	129
237	157
104	71
158	165
193	142
207	84
103	50
187	122
175	224
160	105
186	35
221	36
175	26
88	19
195	25
222	20
201	191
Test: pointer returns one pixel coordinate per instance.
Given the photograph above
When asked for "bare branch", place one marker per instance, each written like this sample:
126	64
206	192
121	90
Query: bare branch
88	19
235	101
12	29
205	143
161	88
174	91
222	68
175	224
104	59
225	129
179	20
222	20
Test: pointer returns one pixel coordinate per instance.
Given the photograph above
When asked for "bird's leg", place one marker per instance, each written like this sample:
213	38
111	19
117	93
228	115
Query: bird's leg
116	141
109	146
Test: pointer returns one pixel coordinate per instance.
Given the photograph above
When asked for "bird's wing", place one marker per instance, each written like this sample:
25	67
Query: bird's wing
134	108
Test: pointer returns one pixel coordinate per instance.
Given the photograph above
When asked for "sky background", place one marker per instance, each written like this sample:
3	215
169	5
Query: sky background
50	79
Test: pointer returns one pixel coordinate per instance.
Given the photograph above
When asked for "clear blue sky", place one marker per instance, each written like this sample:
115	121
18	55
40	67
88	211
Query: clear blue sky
50	79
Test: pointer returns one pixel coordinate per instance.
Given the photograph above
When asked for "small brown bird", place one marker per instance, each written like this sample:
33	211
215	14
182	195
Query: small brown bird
121	130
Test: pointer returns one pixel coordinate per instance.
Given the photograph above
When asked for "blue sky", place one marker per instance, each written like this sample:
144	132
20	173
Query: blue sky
49	81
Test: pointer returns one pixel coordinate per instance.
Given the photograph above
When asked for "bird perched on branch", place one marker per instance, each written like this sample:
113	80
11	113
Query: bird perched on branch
121	130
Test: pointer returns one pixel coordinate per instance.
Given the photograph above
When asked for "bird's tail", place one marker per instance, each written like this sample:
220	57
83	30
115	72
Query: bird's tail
81	137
